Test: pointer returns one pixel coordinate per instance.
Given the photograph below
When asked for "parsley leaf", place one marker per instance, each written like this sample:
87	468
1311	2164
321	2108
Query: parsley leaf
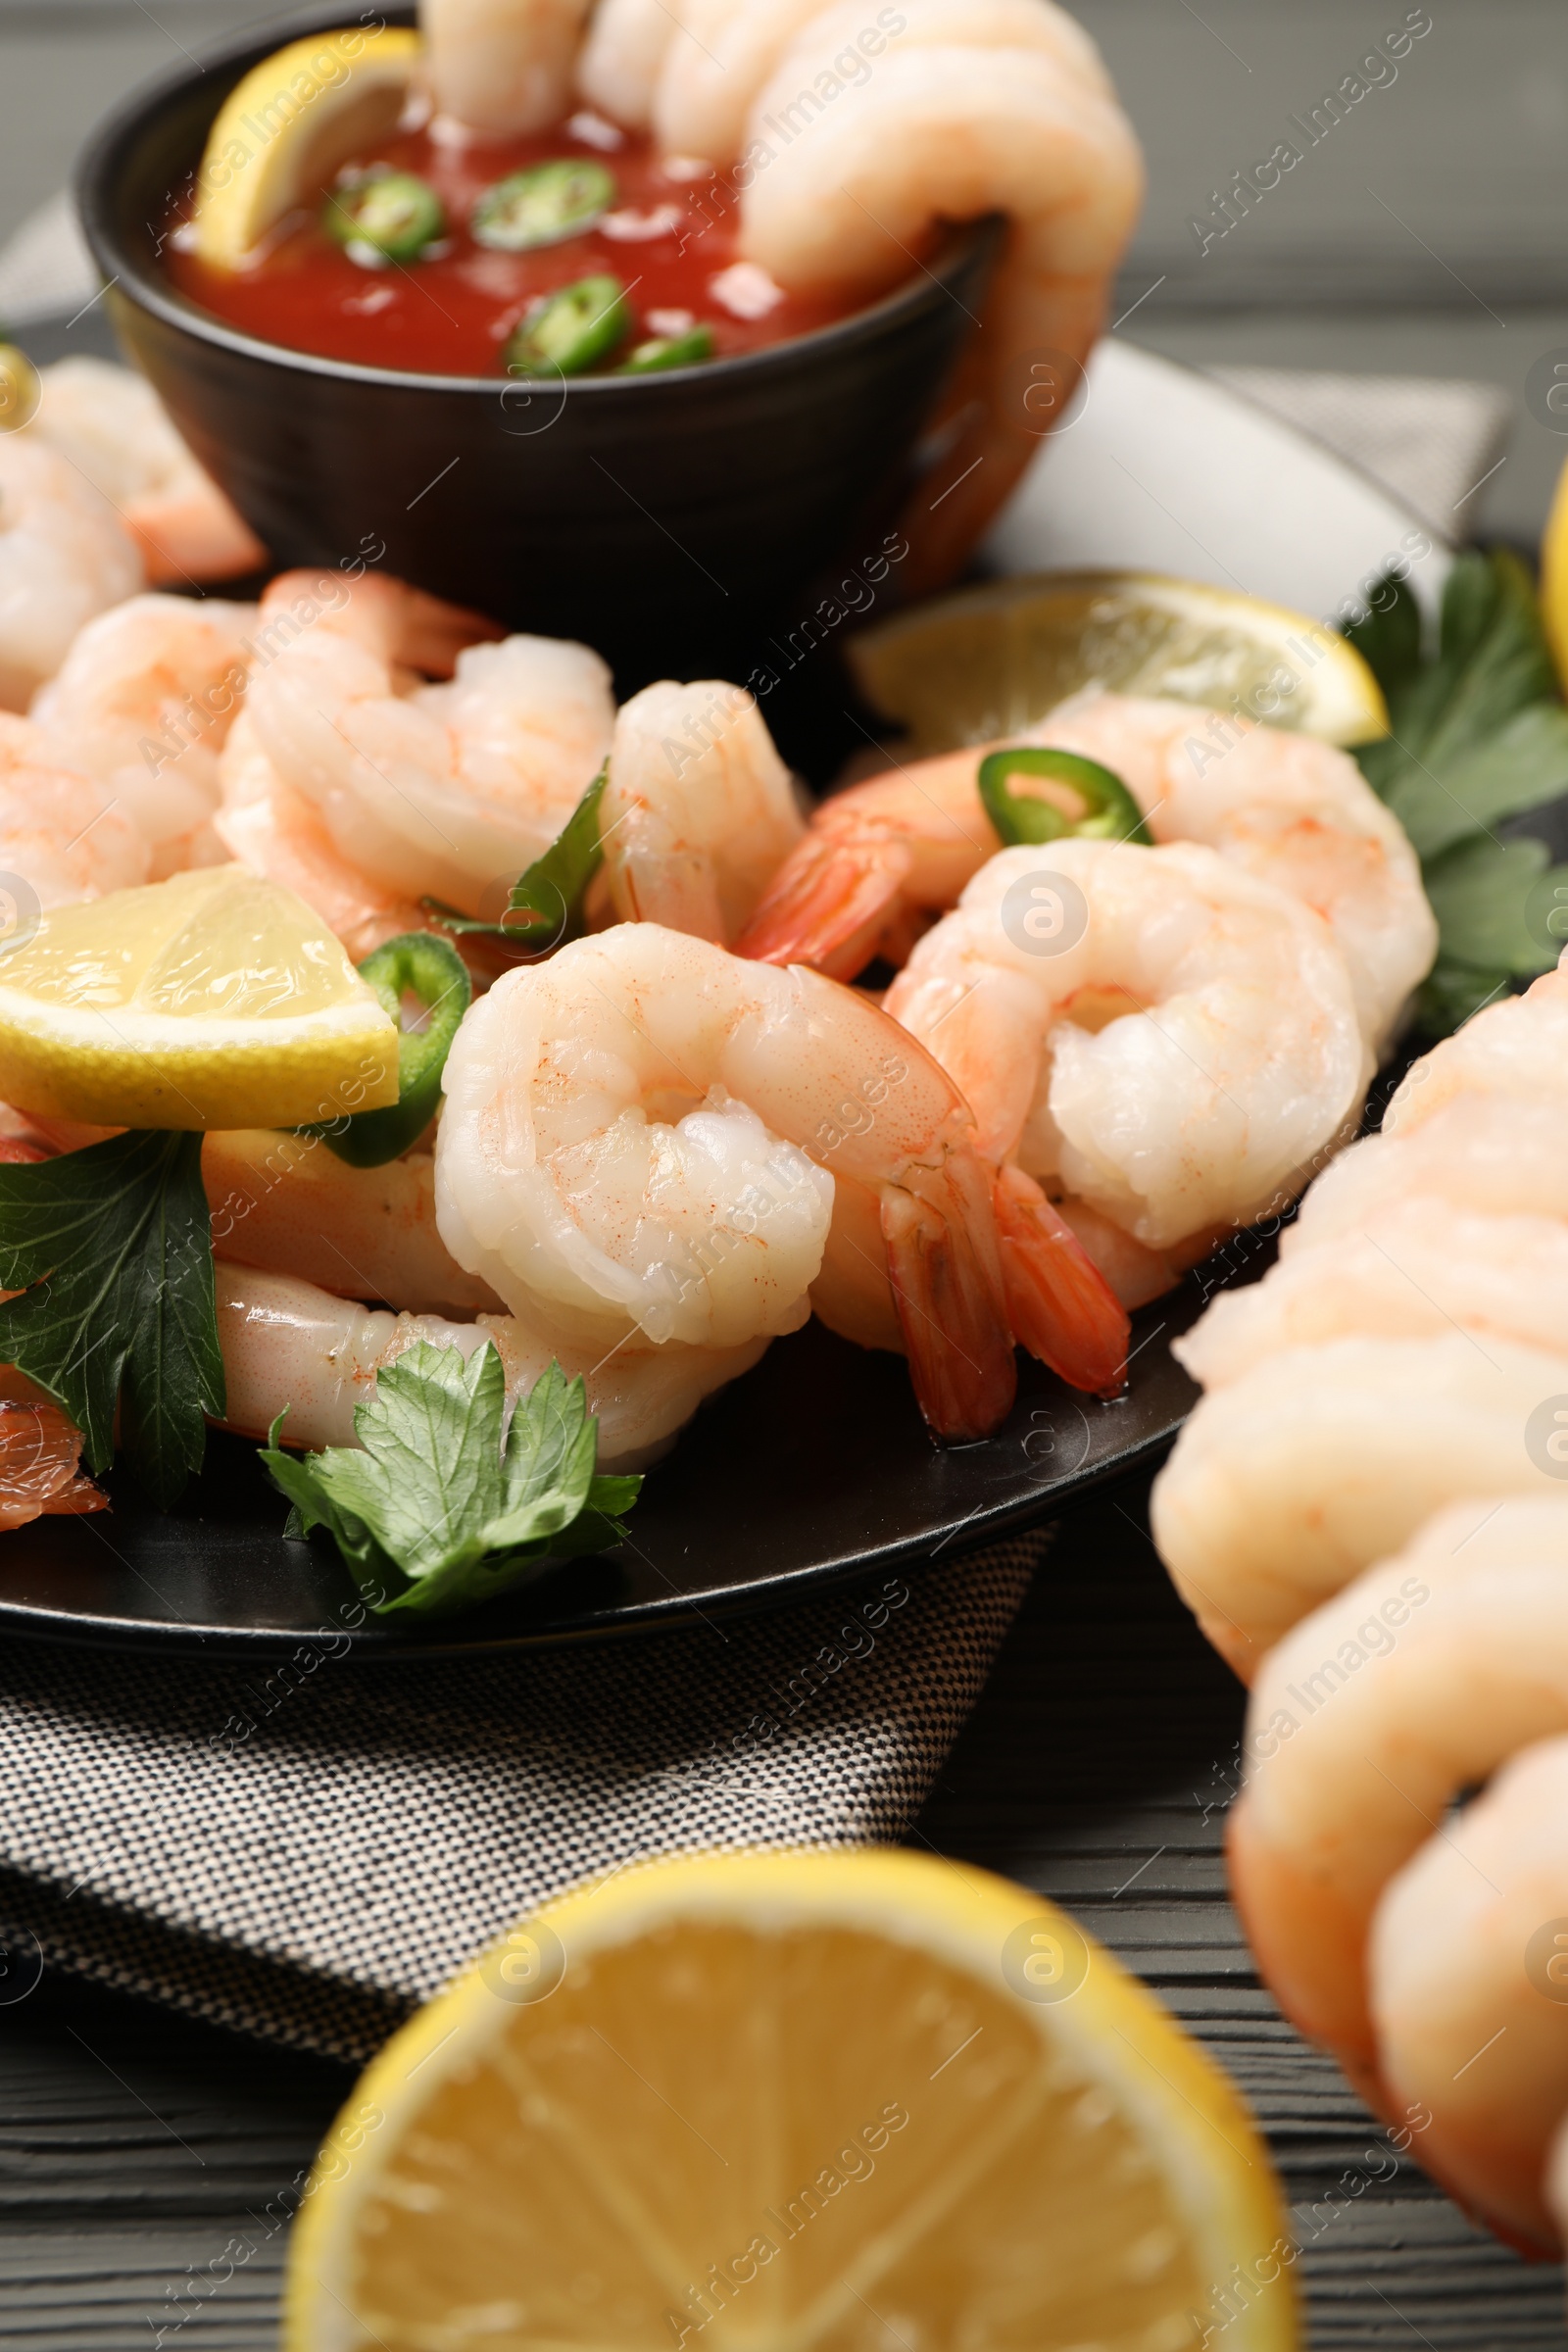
1479	736
111	1250
545	904
436	1513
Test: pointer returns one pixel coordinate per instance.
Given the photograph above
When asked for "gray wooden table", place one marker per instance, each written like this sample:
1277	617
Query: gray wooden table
1428	234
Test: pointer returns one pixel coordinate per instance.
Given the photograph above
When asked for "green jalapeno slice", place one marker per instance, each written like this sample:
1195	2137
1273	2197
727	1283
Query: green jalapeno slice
394	214
544	205
570	332
670	351
424	973
1109	811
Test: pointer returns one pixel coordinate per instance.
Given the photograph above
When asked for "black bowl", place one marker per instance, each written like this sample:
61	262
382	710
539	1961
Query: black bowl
674	521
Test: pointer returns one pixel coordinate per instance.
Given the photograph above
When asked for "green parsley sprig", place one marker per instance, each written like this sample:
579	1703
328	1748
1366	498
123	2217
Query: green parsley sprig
110	1251
544	907
443	1507
1480	736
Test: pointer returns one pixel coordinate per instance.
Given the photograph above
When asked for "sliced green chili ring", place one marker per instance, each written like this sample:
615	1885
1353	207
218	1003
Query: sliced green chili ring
670	351
1110	813
430	970
394	213
544	205
570	332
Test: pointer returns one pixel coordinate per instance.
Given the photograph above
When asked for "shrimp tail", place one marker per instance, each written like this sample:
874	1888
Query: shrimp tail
947	1286
1061	1307
829	904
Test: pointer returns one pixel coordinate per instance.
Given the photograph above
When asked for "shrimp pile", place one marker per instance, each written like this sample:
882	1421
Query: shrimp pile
853	146
884	856
1366	1513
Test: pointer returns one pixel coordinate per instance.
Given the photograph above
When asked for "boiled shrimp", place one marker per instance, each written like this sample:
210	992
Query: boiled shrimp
62	836
975	107
287	1203
1150	1031
1419	1267
1465	1971
1291	810
697	812
501	66
287	1345
644	1136
1369	1719
275	831
1518	1046
448	789
40	1453
65	556
1287	1485
110	424
143	703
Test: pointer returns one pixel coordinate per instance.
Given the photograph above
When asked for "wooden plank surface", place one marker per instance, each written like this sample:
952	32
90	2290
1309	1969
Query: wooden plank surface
137	2150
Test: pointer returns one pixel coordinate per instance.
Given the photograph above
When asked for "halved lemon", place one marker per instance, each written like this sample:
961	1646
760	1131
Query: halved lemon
804	2102
215	1000
285	130
989	661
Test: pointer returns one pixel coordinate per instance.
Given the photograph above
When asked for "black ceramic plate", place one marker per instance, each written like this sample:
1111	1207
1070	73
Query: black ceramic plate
812	1469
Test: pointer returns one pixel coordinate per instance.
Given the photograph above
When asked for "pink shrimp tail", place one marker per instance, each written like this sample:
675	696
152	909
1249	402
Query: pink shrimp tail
40	1451
1061	1307
830	903
947	1286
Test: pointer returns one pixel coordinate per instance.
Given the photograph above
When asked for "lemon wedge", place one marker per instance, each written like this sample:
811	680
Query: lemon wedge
793	2102
285	130
1555	578
989	661
215	1000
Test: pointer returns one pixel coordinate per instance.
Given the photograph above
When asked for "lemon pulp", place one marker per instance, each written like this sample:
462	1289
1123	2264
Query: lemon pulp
213	1000
854	2102
988	663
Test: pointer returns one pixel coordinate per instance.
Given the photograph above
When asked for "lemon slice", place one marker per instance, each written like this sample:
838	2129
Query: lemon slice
285	130
989	661
795	2104
215	1000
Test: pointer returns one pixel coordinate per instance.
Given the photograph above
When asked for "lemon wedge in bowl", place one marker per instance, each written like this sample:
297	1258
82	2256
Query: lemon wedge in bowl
285	129
986	663
213	999
797	2102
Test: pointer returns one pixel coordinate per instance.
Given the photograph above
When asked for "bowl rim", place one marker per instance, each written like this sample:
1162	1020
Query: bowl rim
95	187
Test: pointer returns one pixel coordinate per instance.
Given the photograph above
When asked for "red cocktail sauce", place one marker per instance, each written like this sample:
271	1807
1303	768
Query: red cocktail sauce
452	315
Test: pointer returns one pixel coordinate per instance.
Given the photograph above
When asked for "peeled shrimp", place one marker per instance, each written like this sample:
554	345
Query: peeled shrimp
40	1453
1291	810
112	426
501	66
65	554
699	810
288	1203
1174	1053
1518	1046
448	791
1366	1721
1466	1976
1288	1485
287	1344
143	703
62	836
275	831
638	1136
973	107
